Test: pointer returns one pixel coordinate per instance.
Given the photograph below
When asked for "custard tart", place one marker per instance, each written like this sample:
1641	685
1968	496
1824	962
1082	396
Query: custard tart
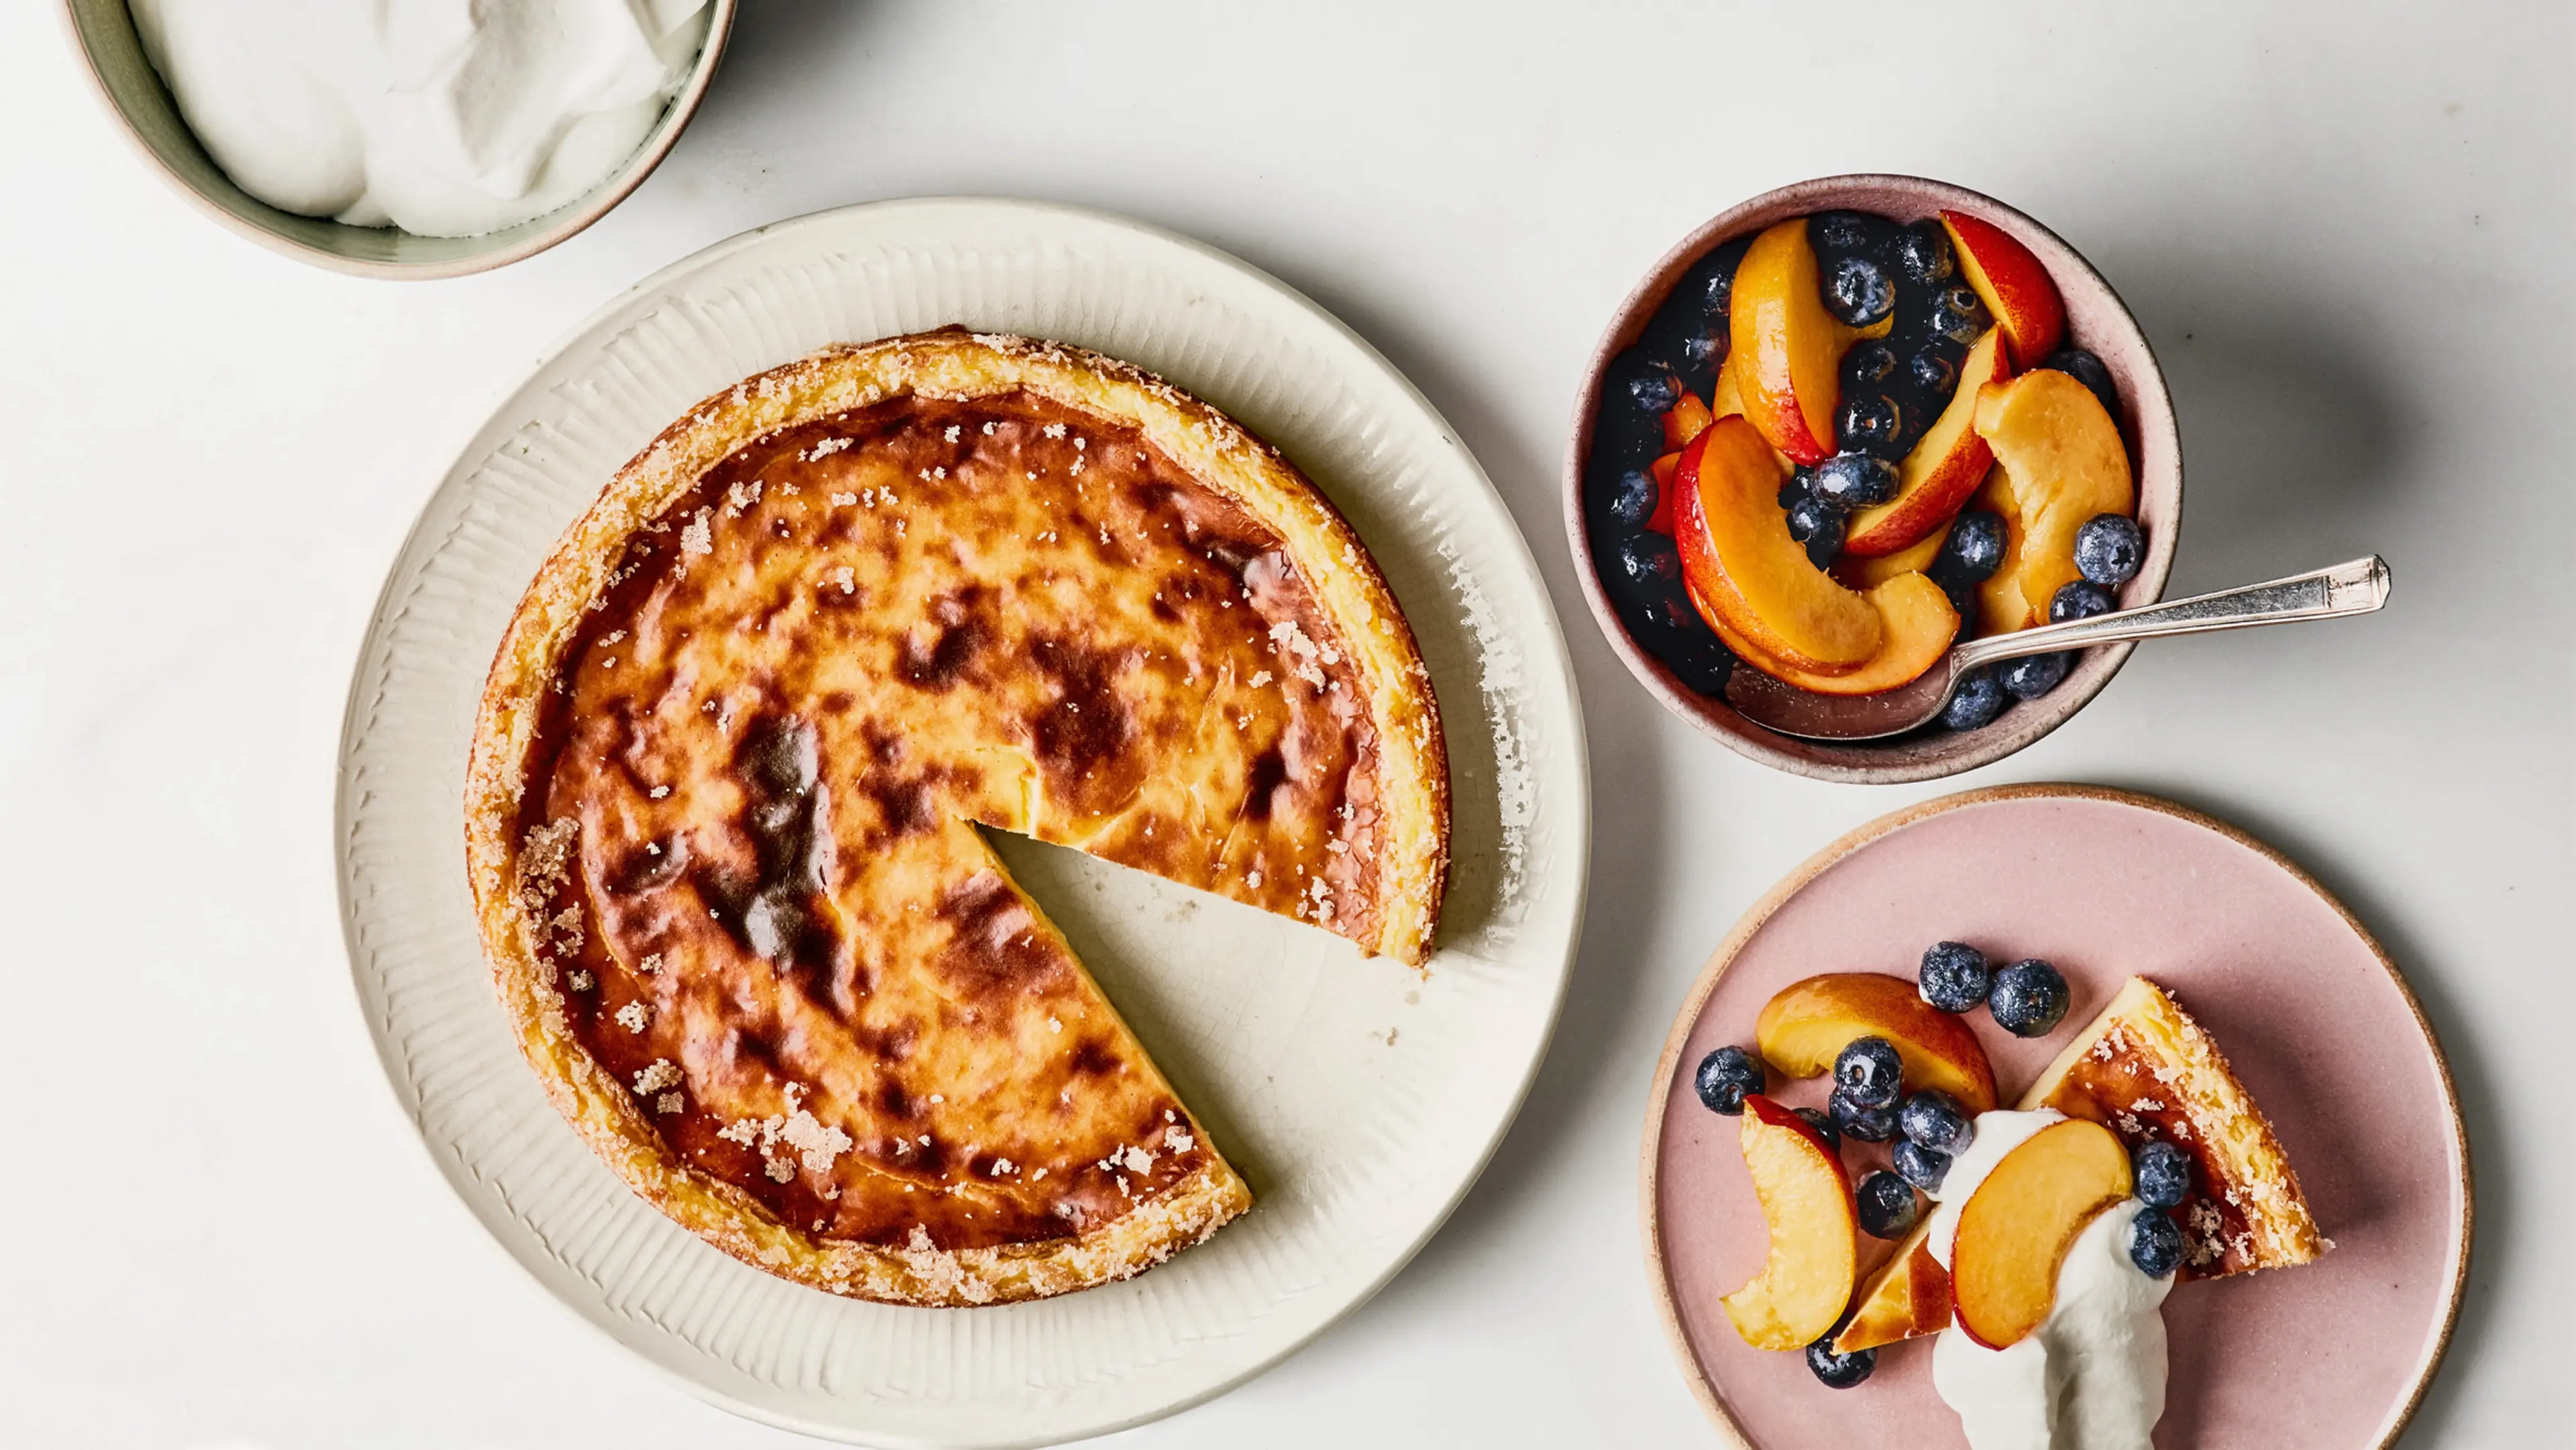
743	738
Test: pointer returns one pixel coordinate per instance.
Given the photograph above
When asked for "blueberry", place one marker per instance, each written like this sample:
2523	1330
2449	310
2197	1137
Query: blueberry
1954	977
2079	599
1963	603
1810	515
1922	253
1719	292
1959	315
1869	1072
1871	423
2155	1243
1863	1125
1974	549
1648	561
1801	484
1868	364
2087	369
1824	546
1725	1076
1855	480
1839	1371
1886	1205
1978	700
2032	676
1703	351
2162	1173
2109	549
1633	498
1858	292
1935	1120
1823	1123
1935	373
1665	622
2029	998
1847	231
1701	663
1655	391
1923	1167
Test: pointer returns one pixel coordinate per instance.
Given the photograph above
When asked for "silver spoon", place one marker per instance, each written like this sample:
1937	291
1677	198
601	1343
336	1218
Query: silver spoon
2355	588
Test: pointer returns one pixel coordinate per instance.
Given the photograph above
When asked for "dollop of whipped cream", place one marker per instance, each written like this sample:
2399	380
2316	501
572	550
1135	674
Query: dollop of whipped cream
448	118
2092	1376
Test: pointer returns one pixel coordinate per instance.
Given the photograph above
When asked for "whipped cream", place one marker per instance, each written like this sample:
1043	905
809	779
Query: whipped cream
2092	1376
448	118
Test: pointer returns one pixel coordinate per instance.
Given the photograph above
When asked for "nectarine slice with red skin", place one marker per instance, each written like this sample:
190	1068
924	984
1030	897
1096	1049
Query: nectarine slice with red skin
1684	420
1807	1024
2013	285
1739	559
1907	1297
2015	1229
1945	466
1919	622
1788	349
2062	462
1806	1280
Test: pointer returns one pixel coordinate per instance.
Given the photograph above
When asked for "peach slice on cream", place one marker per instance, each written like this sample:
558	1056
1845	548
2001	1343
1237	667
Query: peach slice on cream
2015	1229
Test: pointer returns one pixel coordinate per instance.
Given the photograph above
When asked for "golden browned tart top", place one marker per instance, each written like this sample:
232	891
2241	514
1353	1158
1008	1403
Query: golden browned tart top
2150	1073
724	802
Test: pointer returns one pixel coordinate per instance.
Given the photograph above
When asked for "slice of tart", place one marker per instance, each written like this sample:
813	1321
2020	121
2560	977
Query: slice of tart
2150	1073
734	761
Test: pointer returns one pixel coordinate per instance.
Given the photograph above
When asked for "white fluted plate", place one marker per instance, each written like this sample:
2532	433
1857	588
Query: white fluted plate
1359	1098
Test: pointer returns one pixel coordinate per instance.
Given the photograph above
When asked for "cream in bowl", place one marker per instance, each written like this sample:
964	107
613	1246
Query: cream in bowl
441	117
404	138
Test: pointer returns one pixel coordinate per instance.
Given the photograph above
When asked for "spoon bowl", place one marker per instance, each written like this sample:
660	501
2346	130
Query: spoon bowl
2359	587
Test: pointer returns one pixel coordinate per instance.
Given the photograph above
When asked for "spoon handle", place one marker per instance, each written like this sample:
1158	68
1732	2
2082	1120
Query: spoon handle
2355	588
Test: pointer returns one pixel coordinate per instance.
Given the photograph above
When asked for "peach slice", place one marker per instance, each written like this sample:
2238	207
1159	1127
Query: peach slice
1745	569
1684	420
2015	287
1807	1024
2061	462
1725	398
1788	349
1665	469
1945	466
1815	1252
1909	1296
1919	624
1915	558
2014	1230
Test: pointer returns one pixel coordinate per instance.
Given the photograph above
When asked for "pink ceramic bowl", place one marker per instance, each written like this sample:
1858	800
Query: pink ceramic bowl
2096	320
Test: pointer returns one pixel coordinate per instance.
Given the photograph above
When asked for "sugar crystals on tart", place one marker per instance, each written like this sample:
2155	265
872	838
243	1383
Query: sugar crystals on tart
740	743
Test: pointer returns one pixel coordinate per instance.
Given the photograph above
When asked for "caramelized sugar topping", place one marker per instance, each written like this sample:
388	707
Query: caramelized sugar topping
753	823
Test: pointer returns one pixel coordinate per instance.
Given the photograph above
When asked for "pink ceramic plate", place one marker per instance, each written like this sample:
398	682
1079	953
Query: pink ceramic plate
2325	1034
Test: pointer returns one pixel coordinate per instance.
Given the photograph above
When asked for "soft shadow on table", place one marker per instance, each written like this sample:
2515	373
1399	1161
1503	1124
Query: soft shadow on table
2491	1149
776	43
2292	457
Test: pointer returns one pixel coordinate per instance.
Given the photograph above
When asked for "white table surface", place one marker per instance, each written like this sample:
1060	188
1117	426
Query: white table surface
2350	237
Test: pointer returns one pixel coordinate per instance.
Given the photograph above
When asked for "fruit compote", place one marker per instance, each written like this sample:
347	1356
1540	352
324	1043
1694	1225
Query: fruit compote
1844	444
